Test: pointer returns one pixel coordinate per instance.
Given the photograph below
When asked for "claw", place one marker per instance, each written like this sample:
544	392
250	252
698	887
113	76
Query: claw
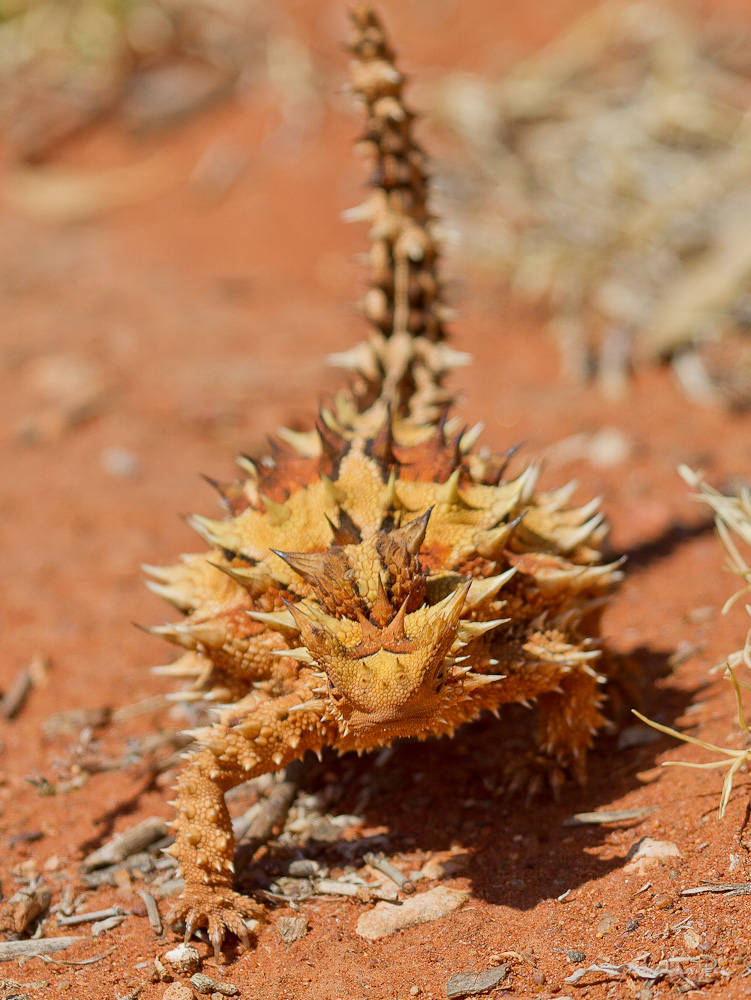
242	933
222	912
216	937
191	921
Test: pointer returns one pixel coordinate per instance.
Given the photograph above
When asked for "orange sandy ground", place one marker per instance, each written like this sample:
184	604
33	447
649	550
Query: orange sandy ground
211	323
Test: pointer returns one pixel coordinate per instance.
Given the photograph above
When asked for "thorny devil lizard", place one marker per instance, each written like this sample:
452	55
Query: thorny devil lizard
378	579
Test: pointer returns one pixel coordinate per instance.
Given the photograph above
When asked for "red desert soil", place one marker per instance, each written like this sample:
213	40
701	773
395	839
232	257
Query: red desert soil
196	326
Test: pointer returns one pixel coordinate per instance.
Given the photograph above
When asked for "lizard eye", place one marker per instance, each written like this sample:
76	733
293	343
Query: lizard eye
333	692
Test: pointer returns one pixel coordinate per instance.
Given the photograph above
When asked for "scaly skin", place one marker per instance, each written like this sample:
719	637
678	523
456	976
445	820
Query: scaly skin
378	579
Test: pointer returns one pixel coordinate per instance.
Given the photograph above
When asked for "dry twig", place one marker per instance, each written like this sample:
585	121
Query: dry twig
152	911
38	947
17	693
381	864
125	844
732	513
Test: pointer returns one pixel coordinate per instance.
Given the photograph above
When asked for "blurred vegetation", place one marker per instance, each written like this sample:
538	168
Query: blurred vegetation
63	63
612	182
733	524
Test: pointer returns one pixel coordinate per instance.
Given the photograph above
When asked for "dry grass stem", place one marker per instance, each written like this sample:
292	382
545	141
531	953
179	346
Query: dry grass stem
732	515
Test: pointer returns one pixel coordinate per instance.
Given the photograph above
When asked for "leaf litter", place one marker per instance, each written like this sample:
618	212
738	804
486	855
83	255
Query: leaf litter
613	172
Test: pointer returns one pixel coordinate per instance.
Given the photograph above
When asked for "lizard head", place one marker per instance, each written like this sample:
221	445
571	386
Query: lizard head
389	657
382	675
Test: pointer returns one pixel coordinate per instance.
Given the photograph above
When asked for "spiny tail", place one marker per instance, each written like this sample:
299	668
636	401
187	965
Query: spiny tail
406	358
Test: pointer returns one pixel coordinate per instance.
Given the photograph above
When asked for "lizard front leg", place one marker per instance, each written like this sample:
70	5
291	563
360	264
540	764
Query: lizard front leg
567	718
242	747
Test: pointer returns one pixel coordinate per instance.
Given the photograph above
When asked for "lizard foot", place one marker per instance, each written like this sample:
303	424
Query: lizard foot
532	773
221	911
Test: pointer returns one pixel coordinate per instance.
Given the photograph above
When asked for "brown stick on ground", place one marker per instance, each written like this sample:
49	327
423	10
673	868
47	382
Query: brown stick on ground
274	811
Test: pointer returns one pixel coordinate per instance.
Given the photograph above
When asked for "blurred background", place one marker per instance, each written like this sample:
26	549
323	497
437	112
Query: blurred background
595	157
174	269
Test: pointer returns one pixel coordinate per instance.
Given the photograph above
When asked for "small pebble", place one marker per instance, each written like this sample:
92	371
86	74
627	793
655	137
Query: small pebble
464	984
576	955
606	924
178	991
122	463
647	852
204	984
304	868
291	929
608	447
414	991
662	901
385	918
185	958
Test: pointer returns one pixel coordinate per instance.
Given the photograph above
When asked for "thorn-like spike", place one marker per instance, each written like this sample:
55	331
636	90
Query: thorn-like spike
482	589
189	665
390	499
448	492
469	438
471	681
333	495
450	608
277	513
412	534
574	537
333	445
310	566
396	625
314	705
209	634
179	696
306	443
220	694
472	630
217	533
312	612
163	574
248	466
381	446
492	542
250	578
179	596
300	653
382	611
279	621
587	510
526	483
559	498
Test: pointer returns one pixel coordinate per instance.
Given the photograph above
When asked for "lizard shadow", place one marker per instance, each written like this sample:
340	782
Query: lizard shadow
674	536
445	795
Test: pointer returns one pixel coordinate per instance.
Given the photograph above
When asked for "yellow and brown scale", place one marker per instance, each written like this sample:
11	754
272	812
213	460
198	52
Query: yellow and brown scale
377	579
